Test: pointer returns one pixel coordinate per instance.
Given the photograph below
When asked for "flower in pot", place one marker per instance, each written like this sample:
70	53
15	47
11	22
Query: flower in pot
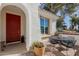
38	48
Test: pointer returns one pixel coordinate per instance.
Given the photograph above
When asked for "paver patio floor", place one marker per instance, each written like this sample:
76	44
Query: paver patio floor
50	50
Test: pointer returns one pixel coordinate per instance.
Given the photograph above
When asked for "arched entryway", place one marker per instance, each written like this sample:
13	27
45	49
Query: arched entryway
32	22
13	24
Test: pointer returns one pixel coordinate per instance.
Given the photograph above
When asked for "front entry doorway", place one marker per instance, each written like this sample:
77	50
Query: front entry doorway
13	28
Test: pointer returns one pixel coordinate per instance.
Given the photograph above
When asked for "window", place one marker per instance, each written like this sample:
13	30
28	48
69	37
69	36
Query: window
44	23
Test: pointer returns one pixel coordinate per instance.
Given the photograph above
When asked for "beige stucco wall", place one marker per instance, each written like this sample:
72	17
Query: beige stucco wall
52	20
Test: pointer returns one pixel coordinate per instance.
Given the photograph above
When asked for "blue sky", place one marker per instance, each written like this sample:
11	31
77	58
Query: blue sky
67	21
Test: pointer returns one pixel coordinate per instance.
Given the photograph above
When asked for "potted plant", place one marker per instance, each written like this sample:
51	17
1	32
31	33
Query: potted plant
38	48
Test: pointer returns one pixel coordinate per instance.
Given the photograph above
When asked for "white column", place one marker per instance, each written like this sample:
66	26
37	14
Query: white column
28	32
50	26
32	26
54	27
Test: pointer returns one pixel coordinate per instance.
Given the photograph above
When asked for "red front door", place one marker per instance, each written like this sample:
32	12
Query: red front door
13	30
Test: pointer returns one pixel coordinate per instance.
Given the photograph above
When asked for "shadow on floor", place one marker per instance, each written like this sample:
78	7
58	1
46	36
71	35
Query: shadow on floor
14	49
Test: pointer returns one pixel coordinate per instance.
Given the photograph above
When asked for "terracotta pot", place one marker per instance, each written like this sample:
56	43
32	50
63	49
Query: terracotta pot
39	51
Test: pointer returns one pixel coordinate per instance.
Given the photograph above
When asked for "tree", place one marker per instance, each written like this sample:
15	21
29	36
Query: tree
59	24
64	26
74	22
65	8
53	7
78	22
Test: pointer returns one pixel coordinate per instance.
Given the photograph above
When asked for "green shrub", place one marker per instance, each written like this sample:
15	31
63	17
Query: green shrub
37	44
